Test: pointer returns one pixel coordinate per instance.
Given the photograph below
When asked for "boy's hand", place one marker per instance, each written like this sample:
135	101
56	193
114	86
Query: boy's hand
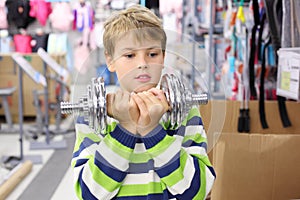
152	104
122	107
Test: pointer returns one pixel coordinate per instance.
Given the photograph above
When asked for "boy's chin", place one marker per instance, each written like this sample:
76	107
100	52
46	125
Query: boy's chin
144	87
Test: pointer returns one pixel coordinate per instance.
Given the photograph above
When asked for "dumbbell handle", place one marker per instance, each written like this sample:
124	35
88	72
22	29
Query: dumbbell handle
71	108
199	99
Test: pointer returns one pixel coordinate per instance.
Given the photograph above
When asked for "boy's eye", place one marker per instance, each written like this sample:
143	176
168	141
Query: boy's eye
153	54
129	55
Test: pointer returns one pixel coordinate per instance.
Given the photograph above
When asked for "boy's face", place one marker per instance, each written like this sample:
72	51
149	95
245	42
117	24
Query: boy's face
138	64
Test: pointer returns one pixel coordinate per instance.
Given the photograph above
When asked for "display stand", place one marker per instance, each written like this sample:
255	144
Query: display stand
4	94
62	76
39	79
24	66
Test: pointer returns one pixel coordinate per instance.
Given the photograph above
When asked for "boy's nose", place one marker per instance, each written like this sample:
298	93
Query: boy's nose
142	63
144	66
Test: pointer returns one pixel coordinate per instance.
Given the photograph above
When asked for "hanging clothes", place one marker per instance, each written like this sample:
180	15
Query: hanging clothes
58	43
6	42
40	9
83	16
3	15
18	13
22	43
39	40
167	7
61	18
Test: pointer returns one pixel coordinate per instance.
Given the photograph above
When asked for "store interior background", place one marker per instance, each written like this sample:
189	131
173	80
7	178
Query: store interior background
198	50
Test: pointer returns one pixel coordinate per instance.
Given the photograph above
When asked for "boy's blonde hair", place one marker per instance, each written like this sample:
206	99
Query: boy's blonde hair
137	19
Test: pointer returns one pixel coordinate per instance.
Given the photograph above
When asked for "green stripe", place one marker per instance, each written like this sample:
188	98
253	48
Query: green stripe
203	158
202	191
101	178
117	147
192	113
161	146
196	138
176	175
110	127
78	191
80	136
140	157
141	189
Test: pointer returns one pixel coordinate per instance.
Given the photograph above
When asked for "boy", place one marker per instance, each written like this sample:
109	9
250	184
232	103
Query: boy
138	157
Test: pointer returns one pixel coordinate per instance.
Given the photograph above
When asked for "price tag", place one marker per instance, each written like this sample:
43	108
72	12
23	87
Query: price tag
288	84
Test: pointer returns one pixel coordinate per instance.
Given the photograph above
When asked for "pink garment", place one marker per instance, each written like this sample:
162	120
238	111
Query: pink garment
168	6
81	61
22	43
3	15
83	16
61	17
40	9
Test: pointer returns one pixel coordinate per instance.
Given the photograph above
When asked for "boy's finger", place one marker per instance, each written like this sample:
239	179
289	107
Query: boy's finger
160	95
140	103
145	96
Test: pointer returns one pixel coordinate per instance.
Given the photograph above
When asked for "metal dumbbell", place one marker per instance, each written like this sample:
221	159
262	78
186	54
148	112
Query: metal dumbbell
92	106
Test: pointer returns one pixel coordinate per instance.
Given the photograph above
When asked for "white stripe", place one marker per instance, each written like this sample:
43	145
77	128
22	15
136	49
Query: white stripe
139	148
113	158
192	130
94	187
87	152
109	155
185	183
83	128
196	150
143	178
76	172
209	180
169	153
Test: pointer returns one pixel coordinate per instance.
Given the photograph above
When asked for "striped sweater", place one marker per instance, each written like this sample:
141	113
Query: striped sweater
165	164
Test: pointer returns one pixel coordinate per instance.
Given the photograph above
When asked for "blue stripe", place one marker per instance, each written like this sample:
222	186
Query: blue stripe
211	169
124	137
80	120
163	196
170	167
181	131
107	169
138	168
80	162
85	192
196	120
172	132
154	139
195	185
191	143
85	143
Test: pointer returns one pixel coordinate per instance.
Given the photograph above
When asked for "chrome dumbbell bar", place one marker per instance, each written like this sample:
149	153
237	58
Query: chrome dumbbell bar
92	106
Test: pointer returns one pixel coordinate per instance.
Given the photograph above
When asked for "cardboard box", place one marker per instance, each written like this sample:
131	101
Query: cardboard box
257	167
222	116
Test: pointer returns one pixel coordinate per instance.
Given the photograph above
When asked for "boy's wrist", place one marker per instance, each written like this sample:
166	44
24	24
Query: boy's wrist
129	127
145	130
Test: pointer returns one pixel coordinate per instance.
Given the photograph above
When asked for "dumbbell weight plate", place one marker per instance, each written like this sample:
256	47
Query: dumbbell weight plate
164	86
99	104
180	99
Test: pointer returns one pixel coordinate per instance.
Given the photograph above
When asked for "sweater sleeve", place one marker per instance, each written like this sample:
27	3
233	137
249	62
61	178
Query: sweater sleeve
100	162
181	160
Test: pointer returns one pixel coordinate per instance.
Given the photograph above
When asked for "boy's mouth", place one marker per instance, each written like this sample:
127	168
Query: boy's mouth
143	78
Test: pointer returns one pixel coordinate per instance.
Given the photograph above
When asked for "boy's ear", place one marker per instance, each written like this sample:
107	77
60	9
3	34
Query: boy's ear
109	61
